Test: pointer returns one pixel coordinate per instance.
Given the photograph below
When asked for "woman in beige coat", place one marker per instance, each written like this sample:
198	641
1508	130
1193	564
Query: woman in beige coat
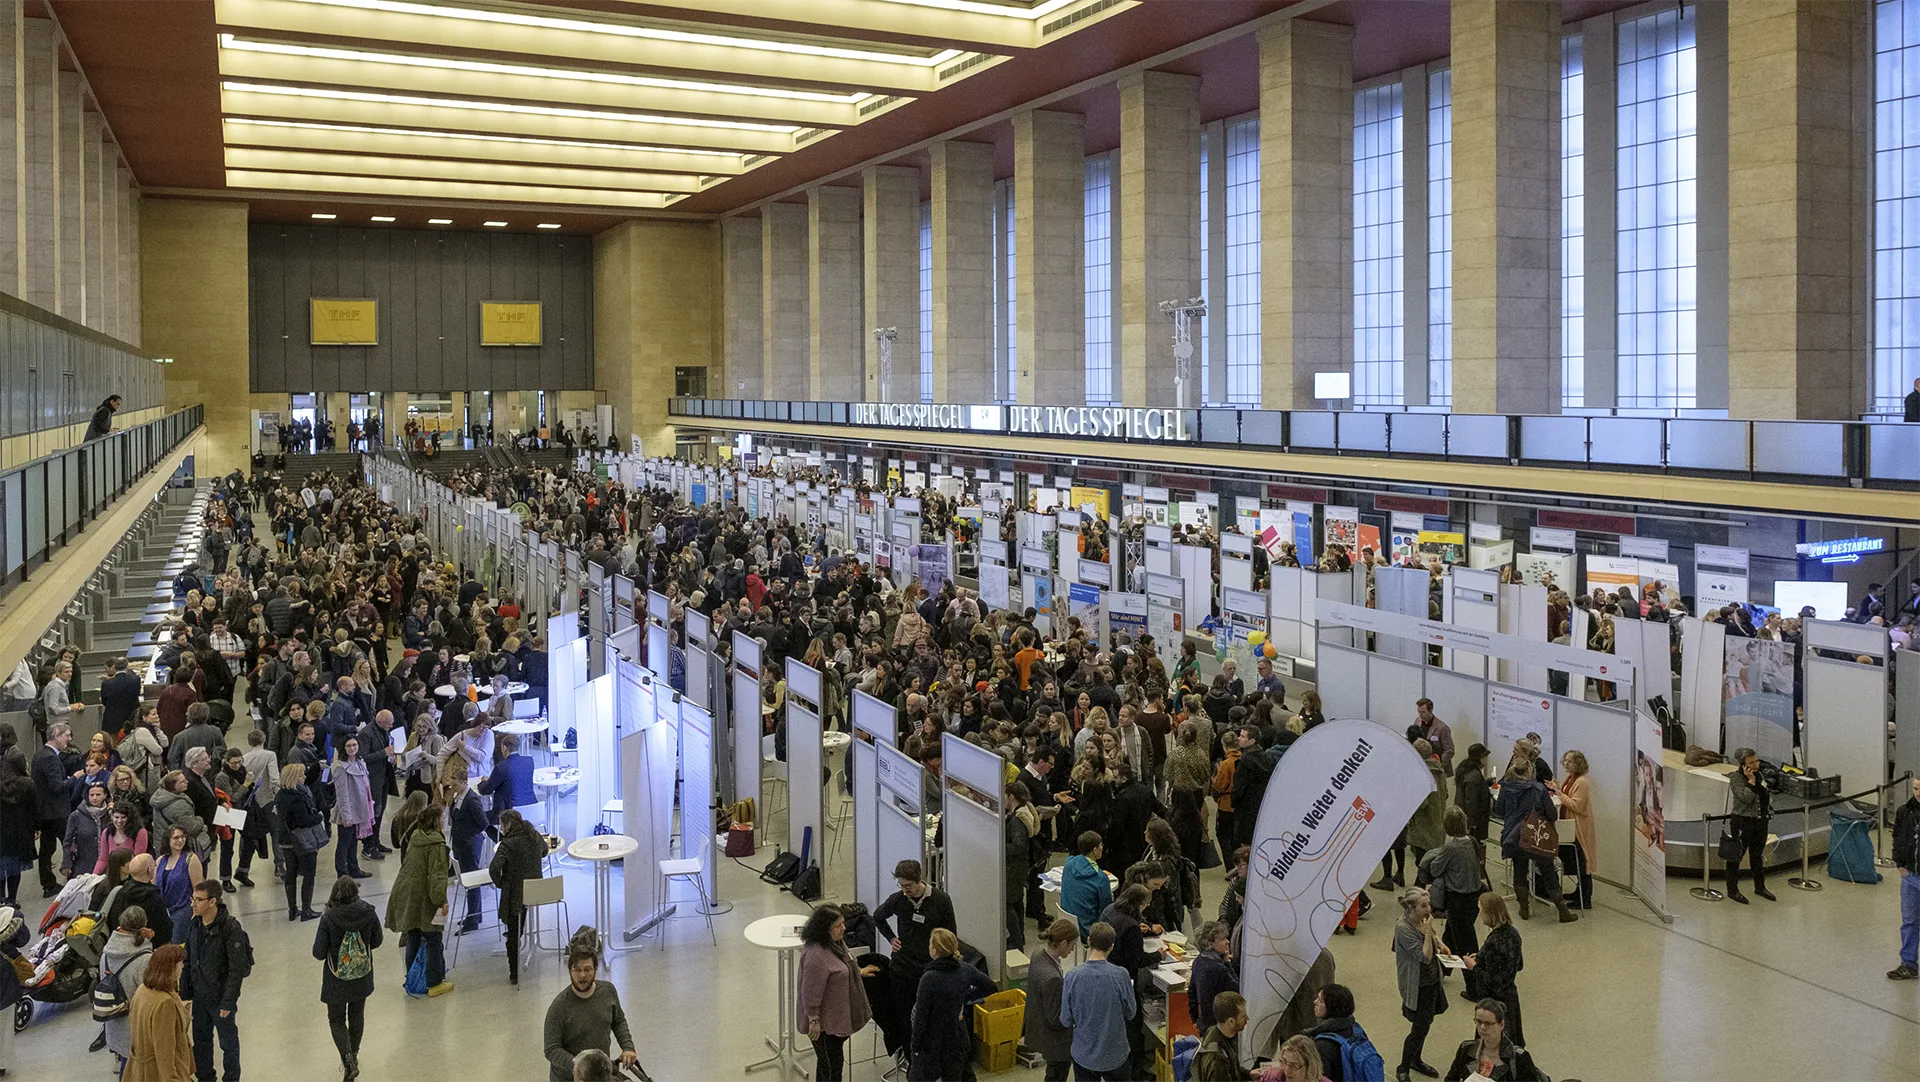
1576	803
162	1031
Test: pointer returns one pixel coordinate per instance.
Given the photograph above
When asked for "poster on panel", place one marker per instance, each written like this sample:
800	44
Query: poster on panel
1512	713
1649	815
1758	698
1126	616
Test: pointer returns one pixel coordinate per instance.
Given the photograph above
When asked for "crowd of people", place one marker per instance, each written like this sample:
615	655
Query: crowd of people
330	628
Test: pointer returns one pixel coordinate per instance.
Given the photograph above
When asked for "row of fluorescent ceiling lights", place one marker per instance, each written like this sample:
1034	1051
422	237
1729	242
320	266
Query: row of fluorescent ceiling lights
319	216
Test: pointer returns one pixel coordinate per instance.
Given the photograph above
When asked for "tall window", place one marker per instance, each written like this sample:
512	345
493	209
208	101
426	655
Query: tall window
1657	249
1206	245
1440	238
1008	388
926	302
1379	262
1896	228
1573	231
1243	262
1099	278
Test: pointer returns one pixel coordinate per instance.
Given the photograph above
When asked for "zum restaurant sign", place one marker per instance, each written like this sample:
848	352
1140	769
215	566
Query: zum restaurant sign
1098	422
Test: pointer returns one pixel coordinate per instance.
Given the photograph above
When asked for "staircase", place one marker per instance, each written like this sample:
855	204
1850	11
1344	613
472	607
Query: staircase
342	463
141	593
448	461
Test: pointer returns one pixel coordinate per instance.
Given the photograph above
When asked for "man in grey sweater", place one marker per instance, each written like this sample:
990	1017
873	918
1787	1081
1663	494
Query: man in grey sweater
586	1014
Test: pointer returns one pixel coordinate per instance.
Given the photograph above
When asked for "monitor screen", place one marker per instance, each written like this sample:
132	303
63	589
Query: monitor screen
1829	599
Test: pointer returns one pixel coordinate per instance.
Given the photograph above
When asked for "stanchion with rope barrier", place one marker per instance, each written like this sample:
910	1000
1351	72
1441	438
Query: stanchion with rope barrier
1803	881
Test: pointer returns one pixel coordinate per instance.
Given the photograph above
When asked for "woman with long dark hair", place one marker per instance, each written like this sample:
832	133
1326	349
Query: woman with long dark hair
344	943
306	833
831	1002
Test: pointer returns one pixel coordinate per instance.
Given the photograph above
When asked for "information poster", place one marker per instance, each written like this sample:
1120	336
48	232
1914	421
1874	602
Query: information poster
1512	713
1083	604
1758	698
1649	814
1342	527
1126	616
993	585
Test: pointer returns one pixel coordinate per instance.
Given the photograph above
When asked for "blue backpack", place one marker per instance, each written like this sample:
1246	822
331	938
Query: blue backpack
1359	1060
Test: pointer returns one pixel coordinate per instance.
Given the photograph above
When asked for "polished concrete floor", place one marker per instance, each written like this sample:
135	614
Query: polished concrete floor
1793	989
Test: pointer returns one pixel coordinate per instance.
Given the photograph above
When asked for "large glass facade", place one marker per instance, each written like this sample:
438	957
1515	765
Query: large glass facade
1379	261
926	302
1573	228
1243	262
1440	238
1098	233
1896	206
1657	247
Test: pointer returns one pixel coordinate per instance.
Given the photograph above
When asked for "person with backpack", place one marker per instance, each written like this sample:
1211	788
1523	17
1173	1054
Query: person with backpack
348	934
219	958
1346	1055
417	904
123	965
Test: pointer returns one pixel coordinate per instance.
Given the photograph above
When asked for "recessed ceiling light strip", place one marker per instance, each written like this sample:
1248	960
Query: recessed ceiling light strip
425	133
488	67
656	33
262	180
503	107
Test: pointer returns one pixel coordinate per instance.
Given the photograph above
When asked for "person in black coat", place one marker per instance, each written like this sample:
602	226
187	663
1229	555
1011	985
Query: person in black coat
467	825
102	422
1134	806
920	910
515	860
344	992
53	786
294	806
119	697
942	1033
376	746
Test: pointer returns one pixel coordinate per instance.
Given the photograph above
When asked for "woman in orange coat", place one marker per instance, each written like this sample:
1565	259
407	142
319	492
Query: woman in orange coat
1576	803
162	1032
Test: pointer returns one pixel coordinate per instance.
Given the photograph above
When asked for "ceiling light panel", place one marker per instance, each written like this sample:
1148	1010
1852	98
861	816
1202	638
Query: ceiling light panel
398	187
501	118
968	24
245	60
643	43
301	161
405	142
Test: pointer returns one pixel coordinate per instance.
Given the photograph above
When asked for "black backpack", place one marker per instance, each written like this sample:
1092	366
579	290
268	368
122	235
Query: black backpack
784	868
806	886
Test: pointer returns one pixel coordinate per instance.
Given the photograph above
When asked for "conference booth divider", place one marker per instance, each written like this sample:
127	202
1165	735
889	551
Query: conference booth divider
1624	767
974	854
805	776
747	737
873	729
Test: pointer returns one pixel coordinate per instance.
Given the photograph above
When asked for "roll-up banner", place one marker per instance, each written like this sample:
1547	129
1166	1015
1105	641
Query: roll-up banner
1719	575
1649	814
1336	802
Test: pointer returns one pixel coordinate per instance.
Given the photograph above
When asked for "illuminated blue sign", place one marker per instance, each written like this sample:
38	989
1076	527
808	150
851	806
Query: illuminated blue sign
1847	550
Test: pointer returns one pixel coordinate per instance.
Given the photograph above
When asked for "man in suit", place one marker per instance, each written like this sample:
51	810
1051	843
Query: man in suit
376	747
511	783
53	785
119	696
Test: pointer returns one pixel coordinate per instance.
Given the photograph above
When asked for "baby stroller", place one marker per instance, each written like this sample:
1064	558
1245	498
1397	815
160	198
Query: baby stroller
60	974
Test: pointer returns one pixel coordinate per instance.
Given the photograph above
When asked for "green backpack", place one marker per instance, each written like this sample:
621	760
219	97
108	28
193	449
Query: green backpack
353	960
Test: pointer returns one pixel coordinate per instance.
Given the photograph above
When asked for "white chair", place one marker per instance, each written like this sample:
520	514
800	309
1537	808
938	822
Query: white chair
478	878
686	871
539	894
773	774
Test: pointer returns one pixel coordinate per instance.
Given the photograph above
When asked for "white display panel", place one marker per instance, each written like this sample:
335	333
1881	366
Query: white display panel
1605	736
976	852
1458	700
1392	688
745	709
1839	736
900	833
803	761
1829	599
1703	672
697	798
1343	682
599	761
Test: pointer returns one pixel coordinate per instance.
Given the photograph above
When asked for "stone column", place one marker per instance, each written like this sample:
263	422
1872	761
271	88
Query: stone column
740	303
1506	203
653	311
136	263
13	151
962	272
92	252
835	351
890	265
1798	145
783	301
71	159
1306	208
1158	218
1049	193
112	194
40	180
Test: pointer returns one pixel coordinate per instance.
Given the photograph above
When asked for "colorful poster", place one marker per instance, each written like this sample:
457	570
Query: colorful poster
1758	699
1092	501
1335	804
1369	539
1342	526
1126	616
1303	537
936	566
1450	547
1083	604
1649	814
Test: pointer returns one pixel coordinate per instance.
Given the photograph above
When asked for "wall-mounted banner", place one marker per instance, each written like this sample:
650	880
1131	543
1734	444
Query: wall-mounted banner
340	321
1337	801
1544	539
1645	548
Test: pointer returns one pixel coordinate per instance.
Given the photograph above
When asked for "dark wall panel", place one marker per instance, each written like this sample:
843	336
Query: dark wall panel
430	286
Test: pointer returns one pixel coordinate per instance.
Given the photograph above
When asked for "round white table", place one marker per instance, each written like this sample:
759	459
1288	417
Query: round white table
601	850
485	691
553	779
521	728
834	740
782	935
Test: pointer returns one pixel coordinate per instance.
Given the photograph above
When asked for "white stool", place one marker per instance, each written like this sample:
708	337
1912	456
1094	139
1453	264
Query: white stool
611	808
773	775
688	871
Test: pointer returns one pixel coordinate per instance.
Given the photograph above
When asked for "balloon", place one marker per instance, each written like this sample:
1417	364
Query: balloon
1269	651
1256	638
